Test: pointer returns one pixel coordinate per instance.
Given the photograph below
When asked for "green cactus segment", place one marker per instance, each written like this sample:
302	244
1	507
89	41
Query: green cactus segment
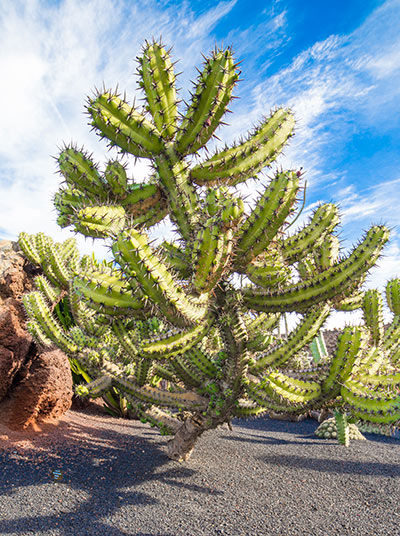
175	344
123	126
158	82
201	361
156	417
350	347
245	160
28	245
212	252
67	201
261	322
80	172
393	295
303	334
144	369
378	405
133	254
95	388
189	374
391	338
60	269
128	339
177	258
182	199
271	271
373	314
325	285
327	253
351	303
244	409
324	220
145	204
37	309
100	221
187	400
51	292
106	293
212	95
115	177
38	333
342	427
282	388
85	317
392	380
268	216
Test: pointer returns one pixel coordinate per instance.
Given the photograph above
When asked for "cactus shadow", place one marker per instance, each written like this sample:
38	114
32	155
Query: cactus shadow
102	470
330	465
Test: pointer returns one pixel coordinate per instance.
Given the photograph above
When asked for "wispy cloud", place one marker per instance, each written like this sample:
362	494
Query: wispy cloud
55	53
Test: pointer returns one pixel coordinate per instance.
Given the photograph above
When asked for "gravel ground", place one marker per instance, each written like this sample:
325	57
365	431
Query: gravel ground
267	477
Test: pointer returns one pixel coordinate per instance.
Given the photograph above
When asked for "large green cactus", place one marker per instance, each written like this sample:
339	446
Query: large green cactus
217	357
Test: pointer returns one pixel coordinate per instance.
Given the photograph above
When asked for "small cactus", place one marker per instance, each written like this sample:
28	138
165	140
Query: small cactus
329	430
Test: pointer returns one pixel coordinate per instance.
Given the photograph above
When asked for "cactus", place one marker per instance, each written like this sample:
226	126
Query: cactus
342	431
216	356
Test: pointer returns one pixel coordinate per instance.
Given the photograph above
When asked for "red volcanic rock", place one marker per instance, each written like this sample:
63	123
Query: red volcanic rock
35	384
45	392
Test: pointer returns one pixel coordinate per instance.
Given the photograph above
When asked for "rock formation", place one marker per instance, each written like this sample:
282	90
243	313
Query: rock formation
35	384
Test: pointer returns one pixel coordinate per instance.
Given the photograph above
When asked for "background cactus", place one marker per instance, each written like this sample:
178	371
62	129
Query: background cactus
214	358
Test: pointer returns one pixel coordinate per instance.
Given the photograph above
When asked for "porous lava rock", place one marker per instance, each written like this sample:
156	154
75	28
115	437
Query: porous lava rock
35	384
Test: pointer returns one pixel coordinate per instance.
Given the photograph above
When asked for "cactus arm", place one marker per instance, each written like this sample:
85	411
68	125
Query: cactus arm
323	221
201	361
81	172
327	253
115	177
99	221
210	100
29	248
158	83
325	285
261	322
373	315
245	409
132	252
269	272
304	333
123	126
393	295
176	258
342	427
94	388
351	346
374	405
106	293
51	292
245	160
211	254
282	393
175	344
37	309
167	424
350	303
144	198
186	372
391	338
182	198
269	214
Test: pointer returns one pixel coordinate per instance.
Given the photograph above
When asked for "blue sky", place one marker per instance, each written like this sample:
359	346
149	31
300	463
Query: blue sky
335	63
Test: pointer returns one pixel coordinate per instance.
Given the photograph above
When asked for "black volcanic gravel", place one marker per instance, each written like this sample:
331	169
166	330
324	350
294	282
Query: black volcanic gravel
267	477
